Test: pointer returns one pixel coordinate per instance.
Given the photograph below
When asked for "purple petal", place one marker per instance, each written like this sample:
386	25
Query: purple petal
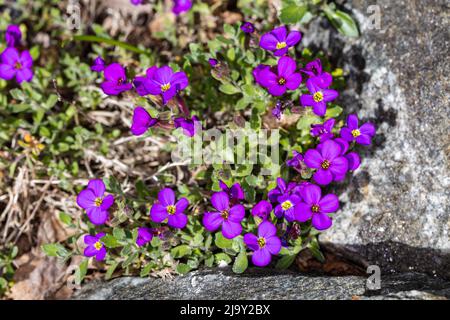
311	194
303	212
330	150
346	134
141	121
368	129
114	72
352	121
236	213
293	81
96	215
268	41
261	257
90	251
313	159
231	229
273	244
321	221
101	254
88	239
158	213
181	205
277	90
251	241
223	186
280	33
266	230
343	144
307	100
107	202
97	186
212	221
220	201
339	166
286	66
237	192
323	177
7	72
262	209
329	95
354	161
281	184
163	75
267	78
179	80
364	139
293	38
10	56
166	197
278	211
24	75
169	94
86	198
320	108
281	52
178	220
329	203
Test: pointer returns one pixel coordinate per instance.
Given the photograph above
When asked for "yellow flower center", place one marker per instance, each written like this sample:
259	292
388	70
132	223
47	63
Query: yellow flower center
165	87
98	245
261	242
356	133
224	214
171	209
98	202
281	45
315	208
318	96
286	205
325	164
18	66
281	81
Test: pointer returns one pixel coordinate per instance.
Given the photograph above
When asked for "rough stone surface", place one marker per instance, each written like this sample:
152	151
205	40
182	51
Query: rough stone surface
265	284
396	207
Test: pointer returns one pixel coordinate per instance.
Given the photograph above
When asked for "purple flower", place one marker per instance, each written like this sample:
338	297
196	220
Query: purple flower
286	77
362	135
13	35
190	126
235	192
256	72
264	245
281	189
95	247
262	209
142	120
314	70
166	208
316	207
136	2
213	62
354	160
115	80
15	64
277	111
296	160
180	6
287	206
161	81
145	235
93	200
248	27
99	65
323	131
228	217
328	161
279	41
318	98
342	144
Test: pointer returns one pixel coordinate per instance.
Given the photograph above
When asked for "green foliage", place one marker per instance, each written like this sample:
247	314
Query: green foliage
7	268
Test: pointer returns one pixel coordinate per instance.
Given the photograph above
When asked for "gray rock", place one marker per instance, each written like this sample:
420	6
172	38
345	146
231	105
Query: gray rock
396	207
265	285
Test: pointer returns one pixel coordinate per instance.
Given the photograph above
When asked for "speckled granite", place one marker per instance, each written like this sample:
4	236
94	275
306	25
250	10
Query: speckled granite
396	207
265	284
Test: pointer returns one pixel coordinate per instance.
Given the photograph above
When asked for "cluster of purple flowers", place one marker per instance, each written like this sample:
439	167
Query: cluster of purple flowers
14	63
96	204
162	82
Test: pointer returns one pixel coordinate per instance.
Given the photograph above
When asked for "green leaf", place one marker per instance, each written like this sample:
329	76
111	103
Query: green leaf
333	112
228	88
183	268
222	242
180	251
65	218
111	270
292	13
55	250
285	262
343	22
240	263
110	241
81	271
222	257
315	250
119	233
